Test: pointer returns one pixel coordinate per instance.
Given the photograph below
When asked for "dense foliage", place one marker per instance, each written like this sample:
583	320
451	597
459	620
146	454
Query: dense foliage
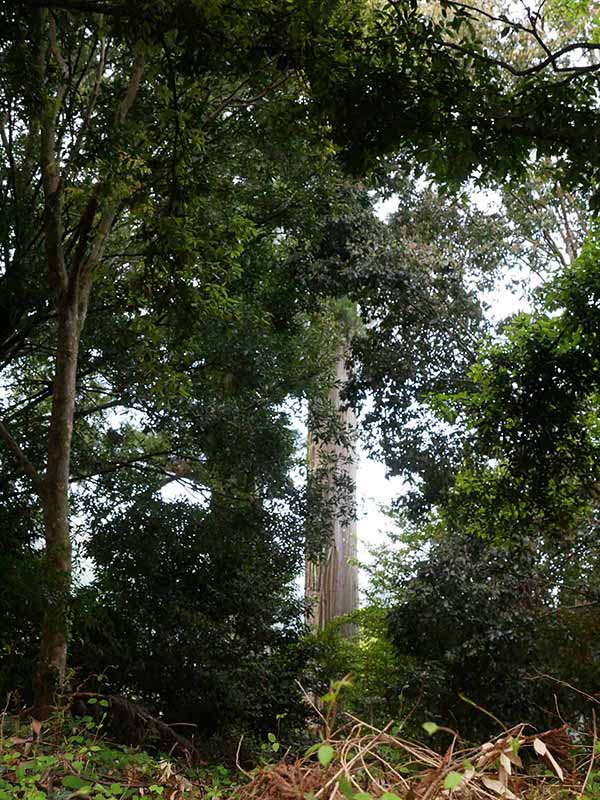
188	197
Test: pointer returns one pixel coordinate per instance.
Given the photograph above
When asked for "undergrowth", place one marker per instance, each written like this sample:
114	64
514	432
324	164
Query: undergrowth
70	758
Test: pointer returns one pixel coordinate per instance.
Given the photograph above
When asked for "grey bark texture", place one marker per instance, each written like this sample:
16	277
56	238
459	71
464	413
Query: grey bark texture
331	584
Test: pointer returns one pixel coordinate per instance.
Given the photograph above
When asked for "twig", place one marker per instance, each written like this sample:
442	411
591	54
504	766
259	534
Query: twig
355	758
310	702
593	758
489	714
237	758
569	686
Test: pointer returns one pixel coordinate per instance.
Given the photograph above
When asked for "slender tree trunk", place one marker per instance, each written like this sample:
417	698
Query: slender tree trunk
54	494
54	486
331	584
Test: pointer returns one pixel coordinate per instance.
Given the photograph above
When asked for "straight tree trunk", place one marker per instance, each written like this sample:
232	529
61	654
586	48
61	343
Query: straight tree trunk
331	584
53	488
54	493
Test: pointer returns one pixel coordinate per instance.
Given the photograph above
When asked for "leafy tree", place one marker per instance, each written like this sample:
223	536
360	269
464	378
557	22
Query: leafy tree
489	624
415	280
193	612
102	185
444	92
123	154
510	575
531	417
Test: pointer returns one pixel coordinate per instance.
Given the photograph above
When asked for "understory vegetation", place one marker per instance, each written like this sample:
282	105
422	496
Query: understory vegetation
247	248
66	758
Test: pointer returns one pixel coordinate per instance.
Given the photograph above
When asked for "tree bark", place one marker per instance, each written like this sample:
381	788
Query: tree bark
331	584
55	504
53	489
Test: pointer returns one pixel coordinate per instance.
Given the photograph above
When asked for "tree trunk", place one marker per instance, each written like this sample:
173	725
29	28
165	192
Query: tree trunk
331	584
54	493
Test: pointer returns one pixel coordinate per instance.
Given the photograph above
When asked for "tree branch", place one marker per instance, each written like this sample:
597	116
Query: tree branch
73	155
132	87
233	99
20	456
539	67
113	466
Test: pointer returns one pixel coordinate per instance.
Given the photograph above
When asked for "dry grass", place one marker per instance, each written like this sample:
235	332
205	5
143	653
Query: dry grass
517	764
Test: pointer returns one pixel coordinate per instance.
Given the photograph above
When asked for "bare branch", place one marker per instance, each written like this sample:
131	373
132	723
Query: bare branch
90	107
132	87
488	15
55	49
113	466
86	269
233	99
241	101
551	59
535	68
86	412
21	408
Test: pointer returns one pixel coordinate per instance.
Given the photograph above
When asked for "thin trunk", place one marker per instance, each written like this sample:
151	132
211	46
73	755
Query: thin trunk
331	584
55	504
54	486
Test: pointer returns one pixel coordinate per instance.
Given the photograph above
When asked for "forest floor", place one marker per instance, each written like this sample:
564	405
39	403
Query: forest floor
73	761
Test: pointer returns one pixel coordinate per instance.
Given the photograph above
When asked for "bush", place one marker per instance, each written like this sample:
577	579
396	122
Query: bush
379	676
482	622
192	613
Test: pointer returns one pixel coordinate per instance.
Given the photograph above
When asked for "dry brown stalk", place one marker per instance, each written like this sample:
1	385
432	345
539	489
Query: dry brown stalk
369	759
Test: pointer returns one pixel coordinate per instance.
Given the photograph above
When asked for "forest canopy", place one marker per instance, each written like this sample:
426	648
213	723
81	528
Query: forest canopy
193	258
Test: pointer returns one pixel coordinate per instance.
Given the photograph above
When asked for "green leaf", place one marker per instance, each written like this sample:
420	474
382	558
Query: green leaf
271	737
92	700
363	796
452	780
346	788
312	749
73	782
431	727
325	754
389	796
